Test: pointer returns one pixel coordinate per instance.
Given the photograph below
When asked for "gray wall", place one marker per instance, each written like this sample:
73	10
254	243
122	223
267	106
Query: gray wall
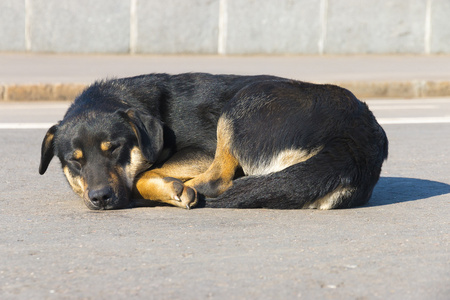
226	26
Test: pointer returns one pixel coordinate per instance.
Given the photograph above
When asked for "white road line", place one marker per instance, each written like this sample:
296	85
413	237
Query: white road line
402	107
408	102
382	121
428	120
41	106
25	125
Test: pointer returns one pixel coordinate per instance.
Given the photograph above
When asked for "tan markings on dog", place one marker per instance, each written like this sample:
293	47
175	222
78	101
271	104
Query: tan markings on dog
223	168
152	186
105	146
114	181
137	164
331	200
184	165
76	182
281	161
78	154
189	169
48	139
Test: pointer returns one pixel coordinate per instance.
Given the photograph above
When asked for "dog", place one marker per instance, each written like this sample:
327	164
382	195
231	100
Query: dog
223	141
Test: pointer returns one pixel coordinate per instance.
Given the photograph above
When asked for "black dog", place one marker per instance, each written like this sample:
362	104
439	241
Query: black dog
247	141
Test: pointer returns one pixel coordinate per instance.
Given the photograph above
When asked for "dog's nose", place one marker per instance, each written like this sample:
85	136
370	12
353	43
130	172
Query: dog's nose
101	197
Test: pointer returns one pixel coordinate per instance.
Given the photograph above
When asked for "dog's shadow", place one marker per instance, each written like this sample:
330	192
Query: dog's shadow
391	190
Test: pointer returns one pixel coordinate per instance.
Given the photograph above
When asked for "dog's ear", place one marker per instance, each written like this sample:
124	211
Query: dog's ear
47	150
149	133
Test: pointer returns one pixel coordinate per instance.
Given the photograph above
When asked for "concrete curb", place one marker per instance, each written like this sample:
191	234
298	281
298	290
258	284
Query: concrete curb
40	92
398	89
362	89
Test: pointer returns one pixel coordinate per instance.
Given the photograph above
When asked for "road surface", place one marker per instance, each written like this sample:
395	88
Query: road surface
396	247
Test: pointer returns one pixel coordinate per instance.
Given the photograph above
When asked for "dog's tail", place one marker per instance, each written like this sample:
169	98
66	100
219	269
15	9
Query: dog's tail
327	180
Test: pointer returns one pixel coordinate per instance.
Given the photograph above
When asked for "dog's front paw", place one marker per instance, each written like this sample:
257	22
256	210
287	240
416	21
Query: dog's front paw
184	196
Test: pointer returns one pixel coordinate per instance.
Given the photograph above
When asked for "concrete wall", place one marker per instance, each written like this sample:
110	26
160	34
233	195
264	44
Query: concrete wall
226	26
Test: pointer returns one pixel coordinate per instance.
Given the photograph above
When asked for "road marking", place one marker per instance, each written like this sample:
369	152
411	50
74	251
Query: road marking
429	120
402	107
382	121
31	105
407	102
25	125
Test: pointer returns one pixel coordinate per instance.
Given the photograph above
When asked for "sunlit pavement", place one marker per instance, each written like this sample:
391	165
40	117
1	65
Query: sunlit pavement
396	247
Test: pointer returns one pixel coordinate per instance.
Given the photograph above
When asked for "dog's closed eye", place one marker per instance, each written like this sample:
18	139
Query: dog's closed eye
110	148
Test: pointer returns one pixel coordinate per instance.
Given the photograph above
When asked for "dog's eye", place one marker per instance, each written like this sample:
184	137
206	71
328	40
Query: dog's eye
75	163
116	148
75	158
113	148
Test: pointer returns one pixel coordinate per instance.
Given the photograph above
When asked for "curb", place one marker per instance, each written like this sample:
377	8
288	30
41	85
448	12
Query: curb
398	89
362	89
40	92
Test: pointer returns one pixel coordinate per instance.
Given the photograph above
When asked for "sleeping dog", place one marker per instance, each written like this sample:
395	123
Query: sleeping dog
218	141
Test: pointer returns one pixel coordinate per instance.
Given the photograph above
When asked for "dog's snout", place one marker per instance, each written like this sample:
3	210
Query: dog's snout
101	197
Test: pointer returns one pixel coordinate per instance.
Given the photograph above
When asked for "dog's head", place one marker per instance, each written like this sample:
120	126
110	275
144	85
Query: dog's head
101	153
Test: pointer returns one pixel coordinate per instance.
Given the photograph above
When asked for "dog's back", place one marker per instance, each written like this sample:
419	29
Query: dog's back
303	146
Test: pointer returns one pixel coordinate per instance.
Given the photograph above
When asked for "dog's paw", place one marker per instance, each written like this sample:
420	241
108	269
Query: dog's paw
184	196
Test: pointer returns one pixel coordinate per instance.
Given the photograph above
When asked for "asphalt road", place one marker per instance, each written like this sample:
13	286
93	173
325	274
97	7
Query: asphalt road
396	247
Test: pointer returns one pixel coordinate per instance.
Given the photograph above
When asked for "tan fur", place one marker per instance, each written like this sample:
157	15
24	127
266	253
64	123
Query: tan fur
115	181
157	185
78	154
105	146
77	183
223	168
137	164
152	186
186	167
49	139
330	200
282	160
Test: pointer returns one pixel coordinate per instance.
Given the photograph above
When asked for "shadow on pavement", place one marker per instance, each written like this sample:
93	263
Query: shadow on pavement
390	190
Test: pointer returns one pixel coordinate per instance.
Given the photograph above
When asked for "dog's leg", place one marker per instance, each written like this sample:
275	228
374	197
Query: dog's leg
165	184
154	186
219	176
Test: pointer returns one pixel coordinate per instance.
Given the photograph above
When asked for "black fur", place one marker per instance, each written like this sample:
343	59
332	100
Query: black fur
167	114
303	116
